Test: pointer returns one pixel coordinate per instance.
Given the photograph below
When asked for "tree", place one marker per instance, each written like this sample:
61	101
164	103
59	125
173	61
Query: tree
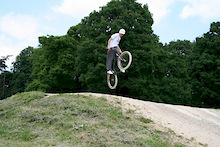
4	77
176	84
95	30
22	69
206	71
3	65
53	64
90	66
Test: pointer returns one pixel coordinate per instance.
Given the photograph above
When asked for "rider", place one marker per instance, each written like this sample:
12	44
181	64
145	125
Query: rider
113	47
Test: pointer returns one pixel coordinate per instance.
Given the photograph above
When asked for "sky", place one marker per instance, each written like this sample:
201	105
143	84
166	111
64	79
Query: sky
23	21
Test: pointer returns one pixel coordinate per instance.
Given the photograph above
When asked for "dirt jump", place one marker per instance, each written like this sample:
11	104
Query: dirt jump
198	124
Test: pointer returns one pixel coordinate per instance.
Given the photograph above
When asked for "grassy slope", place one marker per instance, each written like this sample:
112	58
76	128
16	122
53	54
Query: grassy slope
31	119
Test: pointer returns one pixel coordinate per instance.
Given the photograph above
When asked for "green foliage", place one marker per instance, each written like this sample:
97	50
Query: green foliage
22	69
3	60
205	69
53	64
94	31
90	65
178	87
5	77
5	80
20	78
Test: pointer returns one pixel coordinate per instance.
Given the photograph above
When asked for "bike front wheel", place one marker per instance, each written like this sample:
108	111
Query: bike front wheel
112	81
124	60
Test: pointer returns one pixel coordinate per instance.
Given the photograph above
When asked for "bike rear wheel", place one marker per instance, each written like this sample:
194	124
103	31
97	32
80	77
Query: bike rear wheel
112	81
124	60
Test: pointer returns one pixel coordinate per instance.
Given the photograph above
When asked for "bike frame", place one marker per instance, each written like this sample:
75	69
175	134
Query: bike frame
115	65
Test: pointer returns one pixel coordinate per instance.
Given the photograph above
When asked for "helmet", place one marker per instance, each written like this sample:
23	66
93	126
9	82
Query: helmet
122	31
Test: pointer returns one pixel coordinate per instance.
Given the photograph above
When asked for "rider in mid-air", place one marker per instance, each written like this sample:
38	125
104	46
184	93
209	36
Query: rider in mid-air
113	47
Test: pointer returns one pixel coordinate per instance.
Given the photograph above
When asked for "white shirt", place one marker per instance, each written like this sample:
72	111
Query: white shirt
115	40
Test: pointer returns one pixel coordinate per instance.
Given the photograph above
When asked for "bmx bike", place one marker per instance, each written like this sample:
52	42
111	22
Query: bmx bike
123	62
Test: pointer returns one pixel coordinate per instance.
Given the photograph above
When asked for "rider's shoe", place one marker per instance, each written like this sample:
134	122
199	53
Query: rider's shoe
109	72
122	70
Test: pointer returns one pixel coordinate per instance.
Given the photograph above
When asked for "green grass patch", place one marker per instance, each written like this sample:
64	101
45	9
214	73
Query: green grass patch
145	120
31	119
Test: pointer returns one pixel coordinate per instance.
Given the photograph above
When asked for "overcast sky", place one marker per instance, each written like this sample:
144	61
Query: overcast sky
23	21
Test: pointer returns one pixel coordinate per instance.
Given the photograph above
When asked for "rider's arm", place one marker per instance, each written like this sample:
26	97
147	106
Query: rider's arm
110	39
119	49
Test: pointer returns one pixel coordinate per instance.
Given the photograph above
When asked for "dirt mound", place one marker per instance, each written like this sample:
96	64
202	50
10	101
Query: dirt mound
198	124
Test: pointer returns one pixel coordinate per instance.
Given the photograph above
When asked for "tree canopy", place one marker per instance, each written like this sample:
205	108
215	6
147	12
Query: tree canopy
206	67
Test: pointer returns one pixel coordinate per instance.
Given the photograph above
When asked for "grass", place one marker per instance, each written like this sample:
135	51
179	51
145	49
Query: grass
31	119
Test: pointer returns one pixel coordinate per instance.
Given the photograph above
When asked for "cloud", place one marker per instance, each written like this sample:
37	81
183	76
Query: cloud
19	26
206	9
17	32
159	8
80	8
9	50
9	46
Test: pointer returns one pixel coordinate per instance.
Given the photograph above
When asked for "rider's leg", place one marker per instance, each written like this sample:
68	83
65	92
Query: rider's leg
110	56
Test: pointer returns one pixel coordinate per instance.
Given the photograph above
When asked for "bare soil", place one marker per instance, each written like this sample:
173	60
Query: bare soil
196	124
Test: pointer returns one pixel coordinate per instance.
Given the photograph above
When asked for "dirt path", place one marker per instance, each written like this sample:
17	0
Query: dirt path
201	125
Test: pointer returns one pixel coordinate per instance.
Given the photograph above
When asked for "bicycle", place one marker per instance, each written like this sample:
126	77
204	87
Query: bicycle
123	63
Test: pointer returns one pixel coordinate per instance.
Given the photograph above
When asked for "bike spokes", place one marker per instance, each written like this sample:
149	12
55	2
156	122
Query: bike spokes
112	81
124	60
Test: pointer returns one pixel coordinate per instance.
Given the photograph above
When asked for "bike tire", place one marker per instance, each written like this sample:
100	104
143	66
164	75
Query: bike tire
112	81
124	60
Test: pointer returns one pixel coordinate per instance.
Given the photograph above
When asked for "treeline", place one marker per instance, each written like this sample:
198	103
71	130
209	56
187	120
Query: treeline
181	72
